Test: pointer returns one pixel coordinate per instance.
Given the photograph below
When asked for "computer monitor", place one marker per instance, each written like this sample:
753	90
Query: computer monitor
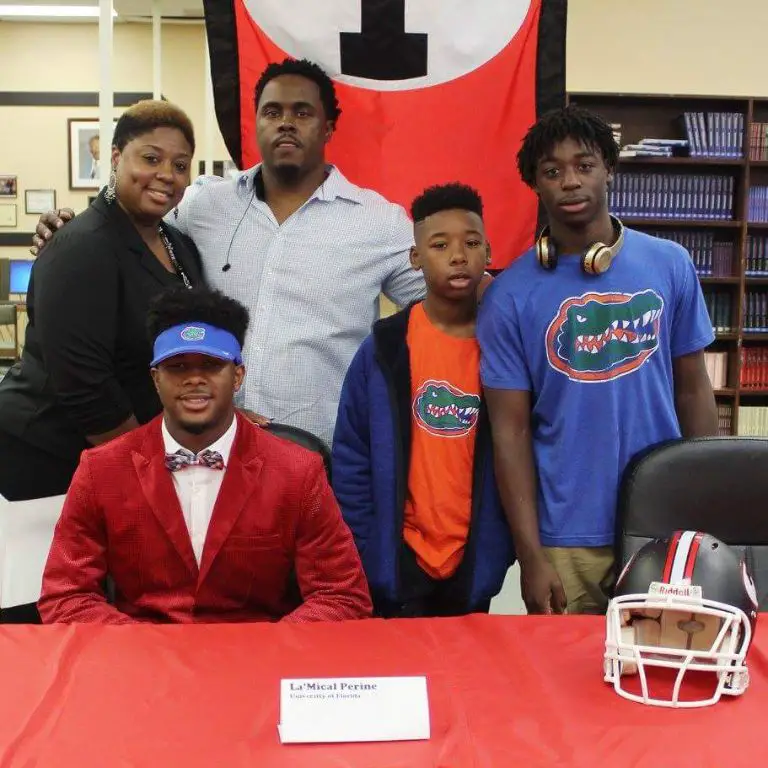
18	277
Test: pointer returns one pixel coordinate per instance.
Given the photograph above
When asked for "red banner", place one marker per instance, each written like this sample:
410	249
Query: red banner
427	97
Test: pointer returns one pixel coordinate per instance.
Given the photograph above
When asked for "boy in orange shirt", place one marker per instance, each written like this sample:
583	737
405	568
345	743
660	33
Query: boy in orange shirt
412	462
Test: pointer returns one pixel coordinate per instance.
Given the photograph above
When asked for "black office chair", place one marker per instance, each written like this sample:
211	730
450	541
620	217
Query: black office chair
306	440
718	485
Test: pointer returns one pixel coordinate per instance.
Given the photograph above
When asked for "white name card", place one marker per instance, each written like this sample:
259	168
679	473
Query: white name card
346	709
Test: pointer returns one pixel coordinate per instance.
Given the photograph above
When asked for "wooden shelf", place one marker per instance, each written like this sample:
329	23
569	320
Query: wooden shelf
684	223
758	163
725	392
752	392
752	280
730	336
713	280
757	224
688	161
753	336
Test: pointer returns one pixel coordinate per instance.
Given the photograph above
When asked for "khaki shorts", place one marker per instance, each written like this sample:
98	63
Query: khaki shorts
587	575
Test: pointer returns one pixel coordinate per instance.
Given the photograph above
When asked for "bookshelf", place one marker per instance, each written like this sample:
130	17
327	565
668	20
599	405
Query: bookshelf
741	291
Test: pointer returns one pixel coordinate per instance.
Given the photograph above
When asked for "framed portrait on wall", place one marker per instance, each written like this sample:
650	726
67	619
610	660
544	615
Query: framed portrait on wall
8	186
85	153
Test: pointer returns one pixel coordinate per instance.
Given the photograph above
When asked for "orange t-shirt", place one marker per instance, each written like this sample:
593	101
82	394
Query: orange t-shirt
445	405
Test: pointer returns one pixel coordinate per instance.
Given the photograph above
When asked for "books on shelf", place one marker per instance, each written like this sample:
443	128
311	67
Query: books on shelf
753	421
754	368
758	141
717	368
649	147
719	305
616	128
757	204
755	312
724	419
714	134
672	195
756	256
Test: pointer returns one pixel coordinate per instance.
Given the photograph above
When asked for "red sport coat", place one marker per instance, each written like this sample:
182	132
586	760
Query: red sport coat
275	516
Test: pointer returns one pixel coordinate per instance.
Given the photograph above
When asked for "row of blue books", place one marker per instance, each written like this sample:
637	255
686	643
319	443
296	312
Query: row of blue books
714	134
757	204
672	195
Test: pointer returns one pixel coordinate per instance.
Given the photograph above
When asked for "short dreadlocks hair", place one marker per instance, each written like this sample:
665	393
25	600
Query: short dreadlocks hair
446	197
571	122
309	70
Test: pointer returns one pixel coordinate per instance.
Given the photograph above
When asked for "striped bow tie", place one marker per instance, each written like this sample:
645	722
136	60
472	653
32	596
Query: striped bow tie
183	458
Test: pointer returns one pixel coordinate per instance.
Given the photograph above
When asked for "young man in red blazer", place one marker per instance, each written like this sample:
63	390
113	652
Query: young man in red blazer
200	515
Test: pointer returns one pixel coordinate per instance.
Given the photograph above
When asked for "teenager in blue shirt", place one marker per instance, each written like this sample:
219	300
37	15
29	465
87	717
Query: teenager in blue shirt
585	362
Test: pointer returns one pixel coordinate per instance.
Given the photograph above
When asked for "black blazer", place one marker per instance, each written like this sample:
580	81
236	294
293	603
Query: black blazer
85	365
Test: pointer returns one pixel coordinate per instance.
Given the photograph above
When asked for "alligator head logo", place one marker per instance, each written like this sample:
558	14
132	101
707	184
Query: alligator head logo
193	333
444	410
602	336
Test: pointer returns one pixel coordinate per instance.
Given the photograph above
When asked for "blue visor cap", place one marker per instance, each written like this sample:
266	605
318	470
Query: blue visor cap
197	337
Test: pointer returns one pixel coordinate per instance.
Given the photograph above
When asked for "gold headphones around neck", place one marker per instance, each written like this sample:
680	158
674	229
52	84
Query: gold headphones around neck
596	260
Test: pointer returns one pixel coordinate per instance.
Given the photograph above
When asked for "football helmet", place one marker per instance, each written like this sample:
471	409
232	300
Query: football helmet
683	604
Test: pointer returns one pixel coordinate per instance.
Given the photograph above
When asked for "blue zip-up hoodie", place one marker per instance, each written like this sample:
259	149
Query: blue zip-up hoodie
370	461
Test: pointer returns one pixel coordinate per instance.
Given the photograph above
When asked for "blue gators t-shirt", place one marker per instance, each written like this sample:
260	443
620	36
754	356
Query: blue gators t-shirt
596	354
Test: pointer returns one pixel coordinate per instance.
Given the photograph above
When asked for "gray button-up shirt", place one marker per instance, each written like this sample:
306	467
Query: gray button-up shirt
312	284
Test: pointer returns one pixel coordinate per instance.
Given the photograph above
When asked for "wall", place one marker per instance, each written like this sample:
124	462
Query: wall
708	47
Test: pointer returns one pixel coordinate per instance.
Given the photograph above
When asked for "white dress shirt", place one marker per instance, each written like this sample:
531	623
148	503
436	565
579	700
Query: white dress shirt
198	487
312	284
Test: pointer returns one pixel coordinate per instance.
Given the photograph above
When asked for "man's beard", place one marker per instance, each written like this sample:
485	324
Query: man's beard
288	175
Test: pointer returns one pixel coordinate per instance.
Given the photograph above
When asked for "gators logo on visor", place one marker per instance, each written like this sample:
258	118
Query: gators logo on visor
602	336
444	410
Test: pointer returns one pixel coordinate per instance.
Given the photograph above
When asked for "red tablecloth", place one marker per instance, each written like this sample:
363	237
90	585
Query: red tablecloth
504	691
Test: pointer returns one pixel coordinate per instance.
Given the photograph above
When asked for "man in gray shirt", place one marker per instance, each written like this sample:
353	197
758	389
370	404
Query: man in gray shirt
306	251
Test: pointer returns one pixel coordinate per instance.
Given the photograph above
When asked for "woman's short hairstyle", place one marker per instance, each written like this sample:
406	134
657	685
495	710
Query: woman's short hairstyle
145	116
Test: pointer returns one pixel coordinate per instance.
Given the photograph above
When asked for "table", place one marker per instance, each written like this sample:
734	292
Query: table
504	691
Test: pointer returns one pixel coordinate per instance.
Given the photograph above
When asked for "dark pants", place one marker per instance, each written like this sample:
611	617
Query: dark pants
423	596
29	473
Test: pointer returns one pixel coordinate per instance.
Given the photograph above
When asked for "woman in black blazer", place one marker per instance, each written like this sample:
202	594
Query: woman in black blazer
83	377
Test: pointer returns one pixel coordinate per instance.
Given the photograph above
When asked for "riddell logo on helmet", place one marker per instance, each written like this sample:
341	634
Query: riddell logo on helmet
676	590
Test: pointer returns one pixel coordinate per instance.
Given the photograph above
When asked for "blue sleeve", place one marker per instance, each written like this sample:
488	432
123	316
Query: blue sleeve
691	326
503	364
351	452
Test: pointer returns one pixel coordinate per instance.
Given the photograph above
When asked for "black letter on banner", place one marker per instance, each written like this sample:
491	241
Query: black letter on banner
383	50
